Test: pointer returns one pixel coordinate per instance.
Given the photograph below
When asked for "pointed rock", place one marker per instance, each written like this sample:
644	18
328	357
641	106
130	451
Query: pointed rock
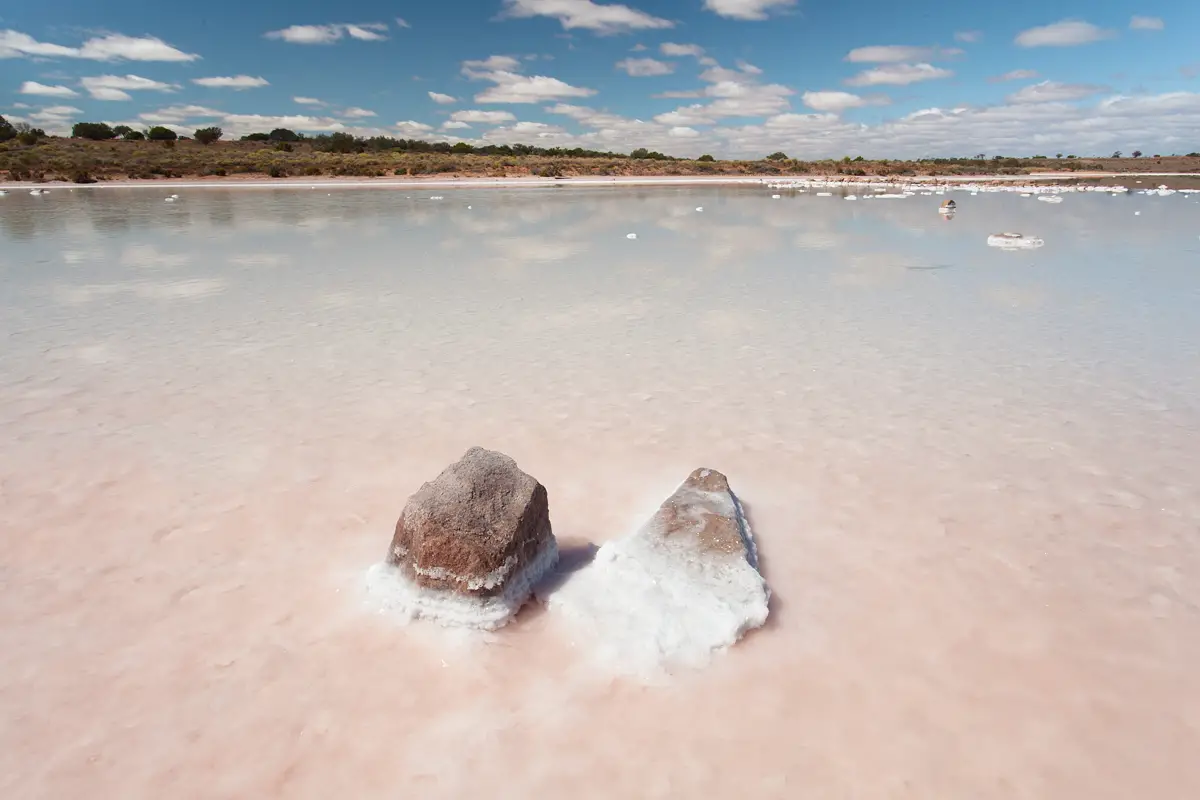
684	586
469	545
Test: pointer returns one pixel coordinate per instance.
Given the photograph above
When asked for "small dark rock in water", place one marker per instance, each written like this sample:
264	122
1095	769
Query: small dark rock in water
470	544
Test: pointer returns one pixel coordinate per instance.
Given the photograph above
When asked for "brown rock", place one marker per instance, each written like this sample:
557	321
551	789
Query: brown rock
705	510
479	525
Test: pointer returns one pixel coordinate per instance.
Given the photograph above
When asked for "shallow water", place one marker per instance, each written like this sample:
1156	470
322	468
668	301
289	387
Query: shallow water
974	477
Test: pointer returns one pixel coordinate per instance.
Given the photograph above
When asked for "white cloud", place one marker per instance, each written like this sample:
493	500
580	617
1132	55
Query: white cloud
1015	75
242	124
1158	123
33	87
328	34
891	53
402	23
968	37
486	117
111	47
734	93
645	67
1067	33
176	115
413	129
307	101
683	132
442	99
454	124
603	18
746	9
117	87
1146	24
899	75
512	87
1054	92
748	68
355	112
837	102
232	82
673	49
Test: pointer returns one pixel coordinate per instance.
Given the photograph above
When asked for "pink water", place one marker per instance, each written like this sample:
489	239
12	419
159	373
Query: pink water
973	477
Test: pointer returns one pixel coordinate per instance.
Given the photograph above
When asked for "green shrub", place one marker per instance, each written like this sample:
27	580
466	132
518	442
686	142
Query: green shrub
161	134
781	156
82	176
284	147
208	135
134	136
276	171
96	131
706	157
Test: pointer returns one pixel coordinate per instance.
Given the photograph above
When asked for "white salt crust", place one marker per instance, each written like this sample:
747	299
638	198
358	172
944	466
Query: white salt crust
650	602
395	593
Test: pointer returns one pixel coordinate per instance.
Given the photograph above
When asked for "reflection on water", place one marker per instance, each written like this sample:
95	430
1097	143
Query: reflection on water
972	473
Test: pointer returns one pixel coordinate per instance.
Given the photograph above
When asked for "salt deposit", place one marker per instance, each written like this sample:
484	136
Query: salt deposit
1014	241
682	587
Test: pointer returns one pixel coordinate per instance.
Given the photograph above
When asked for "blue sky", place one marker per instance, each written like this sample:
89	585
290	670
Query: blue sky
730	77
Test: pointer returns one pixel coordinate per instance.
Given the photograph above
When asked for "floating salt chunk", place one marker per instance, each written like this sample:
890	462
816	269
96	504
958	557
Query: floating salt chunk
1053	198
1026	194
631	236
468	208
1014	241
774	197
824	194
1137	213
168	199
436	197
851	197
699	208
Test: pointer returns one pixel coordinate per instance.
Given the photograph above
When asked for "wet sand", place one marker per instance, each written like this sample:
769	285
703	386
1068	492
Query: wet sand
972	477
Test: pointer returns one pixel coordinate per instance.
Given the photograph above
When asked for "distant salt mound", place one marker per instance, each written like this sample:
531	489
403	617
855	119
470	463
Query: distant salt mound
1014	241
469	546
682	587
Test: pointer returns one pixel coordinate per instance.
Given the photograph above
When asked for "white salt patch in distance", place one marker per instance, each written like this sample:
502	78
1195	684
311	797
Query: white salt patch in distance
391	591
631	236
647	602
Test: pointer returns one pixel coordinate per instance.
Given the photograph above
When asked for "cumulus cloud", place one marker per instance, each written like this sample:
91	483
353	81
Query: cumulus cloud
1055	92
454	124
487	117
413	129
734	93
746	9
117	87
673	49
358	113
308	101
232	82
899	75
110	47
603	18
1161	123
328	34
33	87
1015	75
1146	24
1067	33
442	99
891	53
645	67
968	37
177	115
837	102
513	87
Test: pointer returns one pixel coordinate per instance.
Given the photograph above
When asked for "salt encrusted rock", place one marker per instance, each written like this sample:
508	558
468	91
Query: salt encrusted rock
470	545
682	587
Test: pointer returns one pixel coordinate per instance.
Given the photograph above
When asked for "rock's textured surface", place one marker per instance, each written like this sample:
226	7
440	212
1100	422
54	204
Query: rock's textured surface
683	586
470	544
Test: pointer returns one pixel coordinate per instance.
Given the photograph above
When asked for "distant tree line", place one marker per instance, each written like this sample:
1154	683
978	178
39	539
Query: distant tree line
346	143
23	132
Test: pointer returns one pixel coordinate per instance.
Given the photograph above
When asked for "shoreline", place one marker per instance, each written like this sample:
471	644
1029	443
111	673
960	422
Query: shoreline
1068	178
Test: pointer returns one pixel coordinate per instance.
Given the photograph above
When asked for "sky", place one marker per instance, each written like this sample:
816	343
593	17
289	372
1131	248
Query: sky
733	78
